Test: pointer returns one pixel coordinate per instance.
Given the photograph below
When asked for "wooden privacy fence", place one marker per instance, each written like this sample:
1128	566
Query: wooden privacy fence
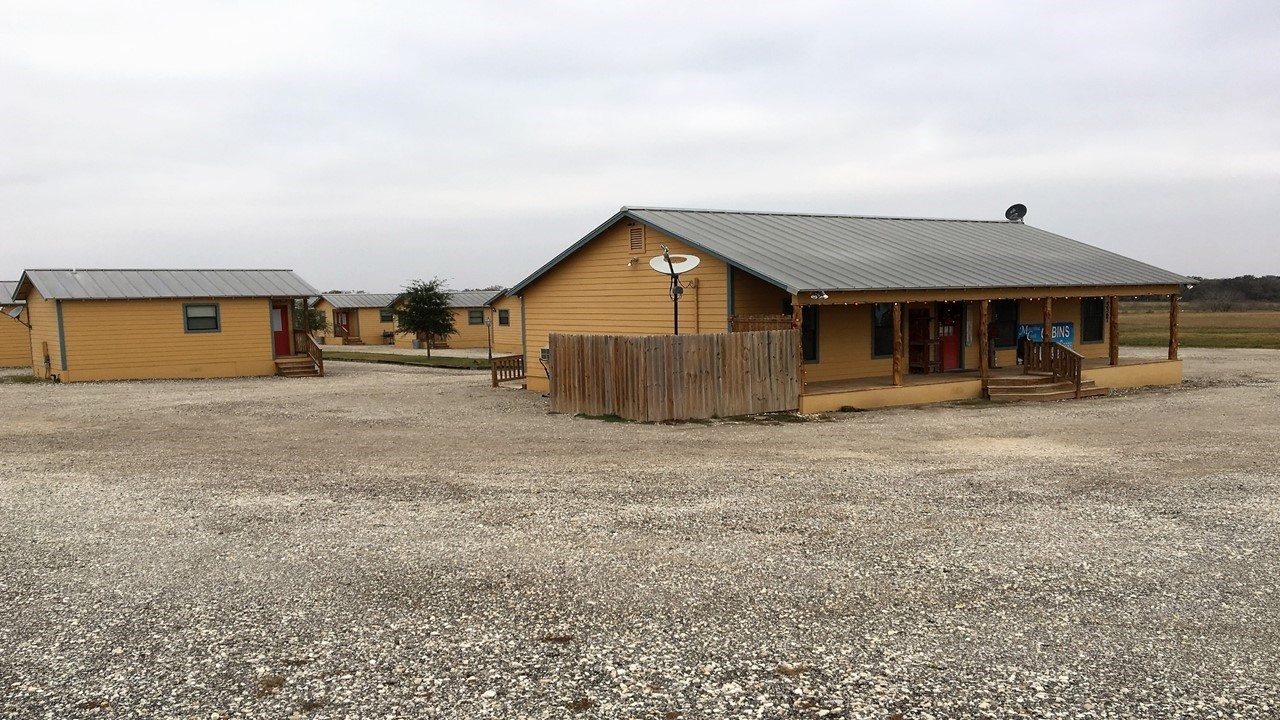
653	378
751	323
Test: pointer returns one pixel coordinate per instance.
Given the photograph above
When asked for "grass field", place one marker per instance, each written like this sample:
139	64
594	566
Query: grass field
1248	329
395	359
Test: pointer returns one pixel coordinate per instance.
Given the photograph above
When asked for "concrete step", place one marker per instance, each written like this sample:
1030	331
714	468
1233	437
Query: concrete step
994	387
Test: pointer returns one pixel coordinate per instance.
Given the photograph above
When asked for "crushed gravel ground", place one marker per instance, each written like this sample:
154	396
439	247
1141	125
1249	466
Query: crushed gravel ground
399	542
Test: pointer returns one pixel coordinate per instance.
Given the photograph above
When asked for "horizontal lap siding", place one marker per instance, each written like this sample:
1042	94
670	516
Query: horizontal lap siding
327	309
15	342
844	345
753	296
593	291
139	339
372	327
506	338
467	335
43	316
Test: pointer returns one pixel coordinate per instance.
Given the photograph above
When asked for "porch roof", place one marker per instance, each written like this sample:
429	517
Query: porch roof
161	284
809	253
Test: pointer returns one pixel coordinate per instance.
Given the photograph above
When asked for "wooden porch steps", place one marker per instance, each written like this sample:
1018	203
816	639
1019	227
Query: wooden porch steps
296	366
1039	387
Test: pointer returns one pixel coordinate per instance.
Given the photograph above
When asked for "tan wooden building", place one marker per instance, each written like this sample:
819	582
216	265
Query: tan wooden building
15	335
474	321
141	324
892	310
357	318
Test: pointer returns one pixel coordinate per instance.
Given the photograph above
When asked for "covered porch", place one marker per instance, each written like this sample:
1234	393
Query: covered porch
913	389
868	350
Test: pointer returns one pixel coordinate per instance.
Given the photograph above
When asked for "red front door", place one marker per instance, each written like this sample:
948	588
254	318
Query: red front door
280	329
949	335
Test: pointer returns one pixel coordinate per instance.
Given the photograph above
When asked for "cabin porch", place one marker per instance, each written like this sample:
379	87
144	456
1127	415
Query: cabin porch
913	389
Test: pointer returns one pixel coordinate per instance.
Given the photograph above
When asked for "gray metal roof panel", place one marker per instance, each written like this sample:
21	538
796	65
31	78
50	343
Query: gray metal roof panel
157	284
469	298
802	252
360	300
7	289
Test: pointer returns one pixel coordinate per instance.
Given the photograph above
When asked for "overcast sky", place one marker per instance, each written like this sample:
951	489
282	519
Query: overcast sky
365	144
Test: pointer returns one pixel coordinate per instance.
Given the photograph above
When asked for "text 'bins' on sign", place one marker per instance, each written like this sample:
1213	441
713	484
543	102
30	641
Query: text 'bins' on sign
1064	333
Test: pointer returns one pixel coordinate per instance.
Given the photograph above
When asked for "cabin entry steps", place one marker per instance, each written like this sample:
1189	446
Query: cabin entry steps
1039	387
352	341
296	366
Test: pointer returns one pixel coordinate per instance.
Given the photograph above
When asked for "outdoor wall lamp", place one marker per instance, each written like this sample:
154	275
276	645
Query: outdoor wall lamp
820	295
633	261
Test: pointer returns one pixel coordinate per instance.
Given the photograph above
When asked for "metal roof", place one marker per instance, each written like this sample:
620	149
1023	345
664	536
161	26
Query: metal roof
806	252
472	298
7	289
155	284
360	300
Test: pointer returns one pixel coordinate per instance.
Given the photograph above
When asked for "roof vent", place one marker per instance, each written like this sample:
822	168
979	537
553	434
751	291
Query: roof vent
1016	212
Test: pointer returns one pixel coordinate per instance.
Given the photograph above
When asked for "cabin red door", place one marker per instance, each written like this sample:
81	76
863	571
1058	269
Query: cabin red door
280	329
341	328
949	335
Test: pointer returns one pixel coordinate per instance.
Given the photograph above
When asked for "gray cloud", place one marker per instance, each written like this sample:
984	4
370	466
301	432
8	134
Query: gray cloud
365	145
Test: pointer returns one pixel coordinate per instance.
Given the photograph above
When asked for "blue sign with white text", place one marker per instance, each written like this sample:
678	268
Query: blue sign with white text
1064	333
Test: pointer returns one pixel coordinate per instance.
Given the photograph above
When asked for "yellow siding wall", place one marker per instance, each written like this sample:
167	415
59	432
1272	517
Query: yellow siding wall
138	339
753	296
15	341
506	338
324	306
466	335
372	327
43	316
594	292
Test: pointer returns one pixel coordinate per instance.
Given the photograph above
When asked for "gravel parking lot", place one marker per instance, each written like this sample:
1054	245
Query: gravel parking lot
398	542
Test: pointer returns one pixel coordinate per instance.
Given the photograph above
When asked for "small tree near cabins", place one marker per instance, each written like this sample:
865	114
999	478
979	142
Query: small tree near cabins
424	311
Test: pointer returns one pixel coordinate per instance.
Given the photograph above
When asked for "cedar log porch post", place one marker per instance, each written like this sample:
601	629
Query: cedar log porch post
984	352
1048	320
1173	326
1113	330
797	322
897	344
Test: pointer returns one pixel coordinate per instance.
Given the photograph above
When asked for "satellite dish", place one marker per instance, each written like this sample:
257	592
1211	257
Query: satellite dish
1015	212
679	265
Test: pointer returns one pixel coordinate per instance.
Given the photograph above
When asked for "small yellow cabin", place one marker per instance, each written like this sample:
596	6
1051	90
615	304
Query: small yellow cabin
15	335
145	324
891	310
473	320
357	318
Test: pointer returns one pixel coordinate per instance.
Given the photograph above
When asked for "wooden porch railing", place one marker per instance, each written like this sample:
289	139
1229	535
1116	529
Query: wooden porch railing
506	367
313	350
1065	364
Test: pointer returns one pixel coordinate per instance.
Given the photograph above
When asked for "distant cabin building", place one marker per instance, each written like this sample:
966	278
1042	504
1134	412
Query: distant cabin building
141	324
15	337
357	318
471	318
891	310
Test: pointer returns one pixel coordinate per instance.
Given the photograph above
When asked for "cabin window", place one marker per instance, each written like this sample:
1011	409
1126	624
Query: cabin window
385	315
504	317
1093	316
637	238
1004	323
475	317
882	330
201	318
